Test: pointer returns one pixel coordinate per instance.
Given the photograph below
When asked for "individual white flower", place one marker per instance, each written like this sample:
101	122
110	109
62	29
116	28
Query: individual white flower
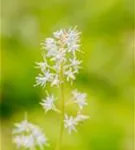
21	127
75	64
73	35
50	43
51	47
70	74
48	103
42	79
59	56
40	138
58	34
73	40
28	136
73	48
28	141
79	98
70	123
42	65
19	141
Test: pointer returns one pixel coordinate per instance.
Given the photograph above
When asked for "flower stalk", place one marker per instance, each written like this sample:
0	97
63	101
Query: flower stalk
58	146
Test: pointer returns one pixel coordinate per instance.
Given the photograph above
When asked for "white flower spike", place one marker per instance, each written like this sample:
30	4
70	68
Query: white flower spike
60	64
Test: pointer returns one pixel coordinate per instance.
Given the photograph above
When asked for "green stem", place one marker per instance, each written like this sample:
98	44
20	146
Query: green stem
58	146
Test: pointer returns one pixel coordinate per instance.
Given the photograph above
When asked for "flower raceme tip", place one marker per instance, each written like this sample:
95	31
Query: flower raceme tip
60	49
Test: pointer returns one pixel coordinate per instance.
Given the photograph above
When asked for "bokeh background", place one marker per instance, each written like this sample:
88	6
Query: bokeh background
107	75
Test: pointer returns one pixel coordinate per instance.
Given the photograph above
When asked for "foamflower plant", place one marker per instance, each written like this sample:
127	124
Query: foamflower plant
60	65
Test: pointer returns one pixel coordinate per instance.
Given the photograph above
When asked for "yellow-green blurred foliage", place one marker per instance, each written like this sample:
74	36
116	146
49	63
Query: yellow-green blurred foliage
107	74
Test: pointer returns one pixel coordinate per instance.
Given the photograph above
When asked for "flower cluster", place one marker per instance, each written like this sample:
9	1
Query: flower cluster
29	136
59	50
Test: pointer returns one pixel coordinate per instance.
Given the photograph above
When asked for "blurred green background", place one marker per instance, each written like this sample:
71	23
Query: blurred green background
107	75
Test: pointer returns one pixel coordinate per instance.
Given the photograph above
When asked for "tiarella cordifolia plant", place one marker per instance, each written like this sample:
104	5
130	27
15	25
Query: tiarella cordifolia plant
60	64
